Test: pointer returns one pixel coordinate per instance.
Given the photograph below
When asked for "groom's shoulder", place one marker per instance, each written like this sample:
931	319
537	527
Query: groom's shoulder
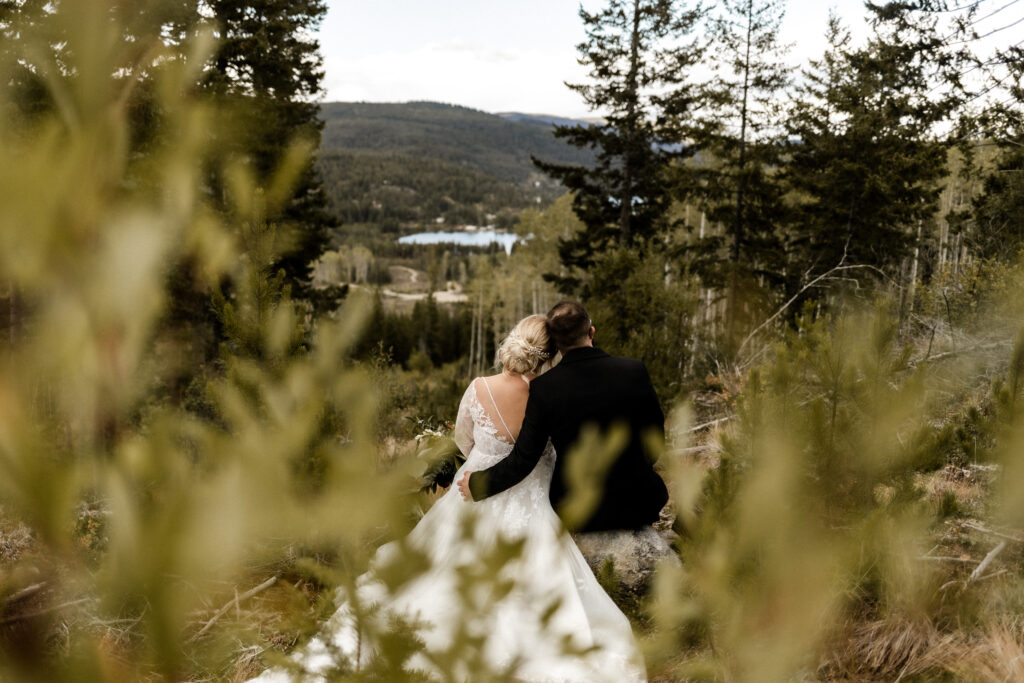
547	380
590	361
627	364
626	372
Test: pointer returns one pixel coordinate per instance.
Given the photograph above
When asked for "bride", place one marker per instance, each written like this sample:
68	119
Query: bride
543	617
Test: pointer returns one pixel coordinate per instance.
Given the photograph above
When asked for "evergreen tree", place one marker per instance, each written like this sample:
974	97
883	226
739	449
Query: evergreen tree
264	78
27	92
268	62
151	32
865	158
739	136
639	53
997	214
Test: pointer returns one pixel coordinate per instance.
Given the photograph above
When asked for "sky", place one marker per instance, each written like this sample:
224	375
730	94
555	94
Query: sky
495	55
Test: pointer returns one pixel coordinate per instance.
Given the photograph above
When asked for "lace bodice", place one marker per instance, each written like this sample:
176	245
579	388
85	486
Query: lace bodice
477	435
479	439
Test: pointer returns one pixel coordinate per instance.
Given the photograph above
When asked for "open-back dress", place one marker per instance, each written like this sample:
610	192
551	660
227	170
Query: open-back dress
523	632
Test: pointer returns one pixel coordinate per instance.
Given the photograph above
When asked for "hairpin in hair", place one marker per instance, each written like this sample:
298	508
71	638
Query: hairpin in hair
536	350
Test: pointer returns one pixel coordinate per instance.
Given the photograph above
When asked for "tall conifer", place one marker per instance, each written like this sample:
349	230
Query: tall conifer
639	53
866	157
739	136
996	216
268	61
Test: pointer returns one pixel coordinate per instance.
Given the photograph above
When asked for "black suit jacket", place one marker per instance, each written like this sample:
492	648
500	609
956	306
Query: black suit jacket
589	387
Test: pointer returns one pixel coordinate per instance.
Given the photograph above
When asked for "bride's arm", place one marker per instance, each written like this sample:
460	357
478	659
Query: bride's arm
529	447
463	432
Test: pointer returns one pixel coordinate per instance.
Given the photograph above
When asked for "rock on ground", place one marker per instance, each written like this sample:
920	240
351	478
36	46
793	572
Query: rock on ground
633	555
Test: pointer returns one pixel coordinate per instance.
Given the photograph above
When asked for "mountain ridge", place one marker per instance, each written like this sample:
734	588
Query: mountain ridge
413	163
489	143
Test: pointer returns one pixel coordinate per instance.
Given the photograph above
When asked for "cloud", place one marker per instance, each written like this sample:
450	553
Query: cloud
462	72
474	49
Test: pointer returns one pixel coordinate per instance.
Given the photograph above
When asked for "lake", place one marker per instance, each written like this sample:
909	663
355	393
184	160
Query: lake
478	238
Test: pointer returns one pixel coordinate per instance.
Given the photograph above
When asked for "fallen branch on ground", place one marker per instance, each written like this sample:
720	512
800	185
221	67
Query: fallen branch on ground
233	602
990	532
696	449
941	558
961	352
980	569
26	592
709	424
41	612
992	575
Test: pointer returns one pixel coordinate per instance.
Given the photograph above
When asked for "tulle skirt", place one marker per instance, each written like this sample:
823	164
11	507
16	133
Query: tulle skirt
540	616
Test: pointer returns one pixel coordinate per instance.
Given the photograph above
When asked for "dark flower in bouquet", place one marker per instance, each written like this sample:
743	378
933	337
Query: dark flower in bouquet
435	445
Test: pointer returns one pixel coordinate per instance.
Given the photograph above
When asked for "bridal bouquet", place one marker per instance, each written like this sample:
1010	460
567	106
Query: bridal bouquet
436	447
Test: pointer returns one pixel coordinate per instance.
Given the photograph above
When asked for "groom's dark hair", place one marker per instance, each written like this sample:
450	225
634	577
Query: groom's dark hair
568	323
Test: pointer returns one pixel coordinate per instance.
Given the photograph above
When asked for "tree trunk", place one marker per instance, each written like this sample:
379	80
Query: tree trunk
632	107
912	285
944	226
902	307
738	227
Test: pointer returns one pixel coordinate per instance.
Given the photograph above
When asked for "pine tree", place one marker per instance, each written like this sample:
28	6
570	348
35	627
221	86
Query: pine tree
739	137
996	228
268	62
145	27
262	81
865	158
639	53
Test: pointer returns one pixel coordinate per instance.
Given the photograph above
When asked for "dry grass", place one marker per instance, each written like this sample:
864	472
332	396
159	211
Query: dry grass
16	540
959	635
895	650
967	485
891	650
276	619
247	664
998	656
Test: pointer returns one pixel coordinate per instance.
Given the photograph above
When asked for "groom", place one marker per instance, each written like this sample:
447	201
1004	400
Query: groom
588	387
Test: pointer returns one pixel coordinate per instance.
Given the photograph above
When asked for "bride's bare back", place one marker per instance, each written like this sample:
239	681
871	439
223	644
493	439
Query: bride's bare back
503	398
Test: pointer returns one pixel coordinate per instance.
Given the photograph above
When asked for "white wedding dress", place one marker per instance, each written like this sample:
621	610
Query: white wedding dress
519	631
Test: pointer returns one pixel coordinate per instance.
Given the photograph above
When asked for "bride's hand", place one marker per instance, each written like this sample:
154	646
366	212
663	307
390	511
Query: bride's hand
464	486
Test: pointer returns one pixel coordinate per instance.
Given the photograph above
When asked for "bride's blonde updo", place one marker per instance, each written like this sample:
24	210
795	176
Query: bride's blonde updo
526	348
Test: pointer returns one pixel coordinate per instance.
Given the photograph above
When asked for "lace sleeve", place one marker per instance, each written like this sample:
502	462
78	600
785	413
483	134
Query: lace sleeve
463	434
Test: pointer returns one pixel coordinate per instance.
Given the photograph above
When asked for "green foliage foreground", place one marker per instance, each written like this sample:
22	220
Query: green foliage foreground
807	553
815	523
88	231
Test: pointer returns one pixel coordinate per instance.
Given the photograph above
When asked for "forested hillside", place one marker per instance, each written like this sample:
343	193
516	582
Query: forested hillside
483	142
418	161
388	189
